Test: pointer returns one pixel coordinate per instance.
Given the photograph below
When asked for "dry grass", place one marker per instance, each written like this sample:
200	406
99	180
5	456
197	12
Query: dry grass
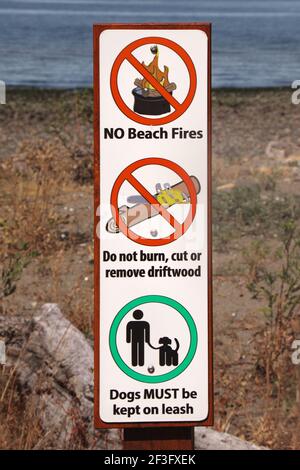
46	255
19	424
259	398
46	246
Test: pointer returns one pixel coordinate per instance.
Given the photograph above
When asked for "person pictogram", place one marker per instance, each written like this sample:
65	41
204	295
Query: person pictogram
138	334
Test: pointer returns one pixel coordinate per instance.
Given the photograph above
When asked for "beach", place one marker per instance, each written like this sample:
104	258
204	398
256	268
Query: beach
49	43
46	237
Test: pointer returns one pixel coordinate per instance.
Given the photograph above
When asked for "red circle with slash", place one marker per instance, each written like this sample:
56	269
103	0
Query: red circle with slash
179	108
179	228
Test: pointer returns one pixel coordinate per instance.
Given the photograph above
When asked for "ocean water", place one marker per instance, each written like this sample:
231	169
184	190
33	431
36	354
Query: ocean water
48	43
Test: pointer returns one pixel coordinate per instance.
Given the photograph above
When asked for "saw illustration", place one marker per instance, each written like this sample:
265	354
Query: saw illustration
142	210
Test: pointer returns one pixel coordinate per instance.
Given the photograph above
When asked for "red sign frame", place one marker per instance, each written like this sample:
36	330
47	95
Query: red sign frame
126	54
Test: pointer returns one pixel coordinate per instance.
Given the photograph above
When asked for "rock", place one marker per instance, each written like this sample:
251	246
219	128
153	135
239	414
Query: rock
54	366
55	375
274	150
209	439
13	331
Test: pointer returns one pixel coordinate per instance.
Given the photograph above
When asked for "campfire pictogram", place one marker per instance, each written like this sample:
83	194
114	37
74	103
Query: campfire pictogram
147	100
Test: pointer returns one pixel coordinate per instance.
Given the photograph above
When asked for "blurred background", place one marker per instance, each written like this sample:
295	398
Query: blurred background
46	213
48	42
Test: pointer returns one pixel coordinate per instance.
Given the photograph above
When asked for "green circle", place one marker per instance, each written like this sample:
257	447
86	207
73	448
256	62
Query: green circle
144	300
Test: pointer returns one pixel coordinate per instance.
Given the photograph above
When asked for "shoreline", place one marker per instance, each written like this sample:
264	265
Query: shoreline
25	88
247	122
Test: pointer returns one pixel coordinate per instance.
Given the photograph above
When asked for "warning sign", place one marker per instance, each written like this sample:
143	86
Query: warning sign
154	81
148	205
145	350
153	332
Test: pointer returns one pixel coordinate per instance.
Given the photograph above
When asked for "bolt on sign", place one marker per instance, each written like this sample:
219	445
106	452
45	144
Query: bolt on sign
153	306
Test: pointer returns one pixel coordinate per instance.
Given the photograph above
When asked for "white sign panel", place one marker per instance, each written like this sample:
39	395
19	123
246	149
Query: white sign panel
153	306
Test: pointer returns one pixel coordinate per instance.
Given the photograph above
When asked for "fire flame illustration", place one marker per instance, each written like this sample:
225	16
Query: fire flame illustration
153	68
161	76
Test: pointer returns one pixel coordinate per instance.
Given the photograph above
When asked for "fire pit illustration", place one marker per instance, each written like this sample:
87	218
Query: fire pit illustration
147	100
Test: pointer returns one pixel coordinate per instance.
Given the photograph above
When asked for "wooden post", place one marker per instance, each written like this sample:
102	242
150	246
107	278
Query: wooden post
164	438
